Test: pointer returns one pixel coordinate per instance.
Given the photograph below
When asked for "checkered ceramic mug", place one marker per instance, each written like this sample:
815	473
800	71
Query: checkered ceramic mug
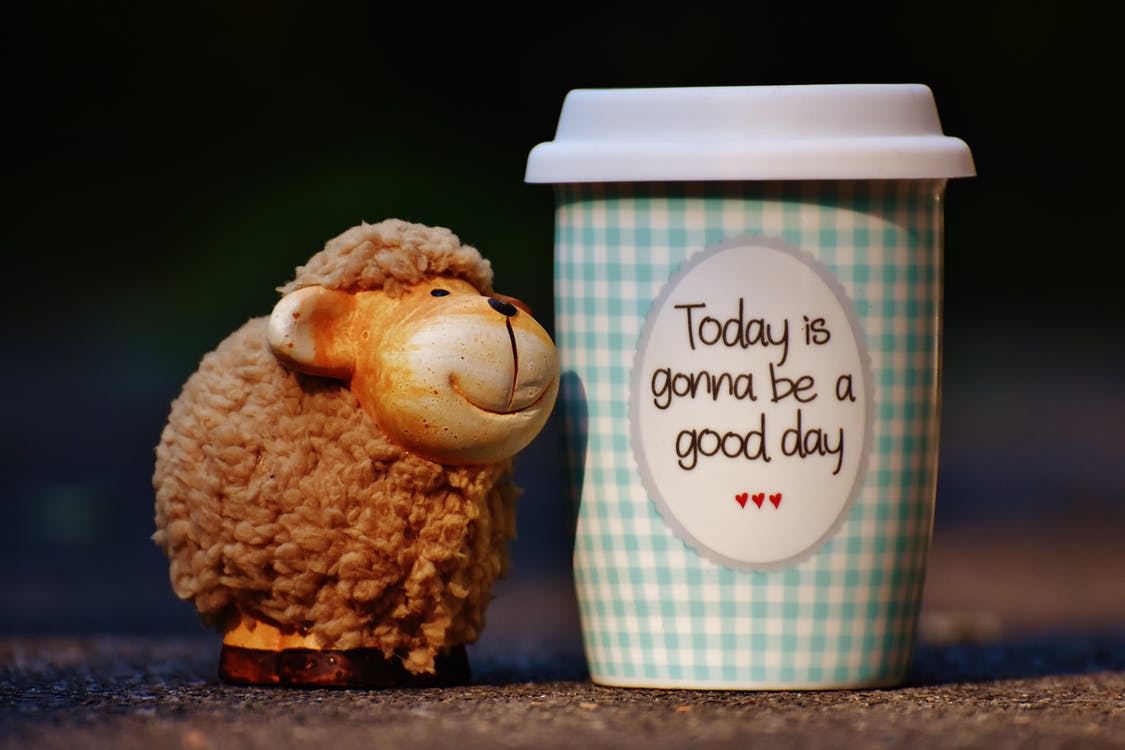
748	290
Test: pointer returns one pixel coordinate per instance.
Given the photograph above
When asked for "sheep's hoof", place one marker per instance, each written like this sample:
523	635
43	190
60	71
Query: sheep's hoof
355	668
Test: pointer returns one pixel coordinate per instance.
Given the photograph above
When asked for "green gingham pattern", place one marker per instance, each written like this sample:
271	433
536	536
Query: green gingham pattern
654	612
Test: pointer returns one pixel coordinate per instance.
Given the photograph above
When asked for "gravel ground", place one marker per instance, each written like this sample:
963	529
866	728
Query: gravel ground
1047	692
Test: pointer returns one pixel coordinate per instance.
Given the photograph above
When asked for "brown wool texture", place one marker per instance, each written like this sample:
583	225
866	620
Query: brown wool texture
278	497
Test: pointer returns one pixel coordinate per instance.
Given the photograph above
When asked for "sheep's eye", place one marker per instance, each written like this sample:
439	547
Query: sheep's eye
439	292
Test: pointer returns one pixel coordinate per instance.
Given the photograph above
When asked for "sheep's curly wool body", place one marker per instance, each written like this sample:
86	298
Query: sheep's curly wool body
279	498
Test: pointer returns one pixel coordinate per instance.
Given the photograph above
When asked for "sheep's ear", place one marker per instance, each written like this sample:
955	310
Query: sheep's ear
309	331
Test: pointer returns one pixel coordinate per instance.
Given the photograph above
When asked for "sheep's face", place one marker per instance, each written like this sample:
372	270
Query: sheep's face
448	373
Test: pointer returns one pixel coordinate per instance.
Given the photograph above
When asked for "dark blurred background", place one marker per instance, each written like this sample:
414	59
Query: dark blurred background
167	165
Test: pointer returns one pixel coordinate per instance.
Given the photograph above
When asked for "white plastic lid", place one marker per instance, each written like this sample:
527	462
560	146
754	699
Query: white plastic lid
828	132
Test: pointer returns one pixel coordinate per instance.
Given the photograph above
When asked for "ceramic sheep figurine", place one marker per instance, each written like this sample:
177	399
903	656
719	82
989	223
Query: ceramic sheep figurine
333	486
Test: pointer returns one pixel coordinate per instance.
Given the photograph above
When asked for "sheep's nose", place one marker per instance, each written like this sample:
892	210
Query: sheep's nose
506	309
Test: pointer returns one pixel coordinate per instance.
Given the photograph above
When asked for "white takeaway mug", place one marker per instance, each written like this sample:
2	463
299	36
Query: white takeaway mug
748	305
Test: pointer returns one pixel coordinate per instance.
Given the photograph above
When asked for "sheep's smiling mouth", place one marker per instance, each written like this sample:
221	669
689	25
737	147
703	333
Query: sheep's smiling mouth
507	409
500	412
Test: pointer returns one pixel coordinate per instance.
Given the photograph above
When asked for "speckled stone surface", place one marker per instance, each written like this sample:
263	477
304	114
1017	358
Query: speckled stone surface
123	692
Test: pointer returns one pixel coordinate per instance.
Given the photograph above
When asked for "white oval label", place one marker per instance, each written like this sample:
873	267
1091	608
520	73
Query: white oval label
750	403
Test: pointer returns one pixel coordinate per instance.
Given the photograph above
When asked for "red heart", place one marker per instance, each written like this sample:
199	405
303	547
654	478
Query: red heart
776	500
741	499
758	498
